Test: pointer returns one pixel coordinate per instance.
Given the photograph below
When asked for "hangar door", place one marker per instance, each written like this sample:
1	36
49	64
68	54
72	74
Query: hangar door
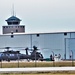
70	48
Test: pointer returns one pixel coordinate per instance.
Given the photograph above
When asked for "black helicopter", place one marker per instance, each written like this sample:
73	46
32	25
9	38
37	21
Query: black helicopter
16	55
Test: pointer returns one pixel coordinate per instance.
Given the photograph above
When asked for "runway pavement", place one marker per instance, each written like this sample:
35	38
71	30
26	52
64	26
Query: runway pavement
35	69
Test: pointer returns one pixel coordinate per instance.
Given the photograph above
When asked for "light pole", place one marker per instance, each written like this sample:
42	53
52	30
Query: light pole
1	60
53	59
35	48
65	49
18	60
35	58
31	40
72	58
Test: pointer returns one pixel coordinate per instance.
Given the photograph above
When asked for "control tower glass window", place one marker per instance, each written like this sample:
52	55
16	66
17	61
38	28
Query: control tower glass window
15	22
9	23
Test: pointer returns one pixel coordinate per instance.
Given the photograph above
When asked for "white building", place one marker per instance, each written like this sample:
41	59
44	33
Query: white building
62	43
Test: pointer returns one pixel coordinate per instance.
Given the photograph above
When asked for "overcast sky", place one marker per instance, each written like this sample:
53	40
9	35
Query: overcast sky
40	15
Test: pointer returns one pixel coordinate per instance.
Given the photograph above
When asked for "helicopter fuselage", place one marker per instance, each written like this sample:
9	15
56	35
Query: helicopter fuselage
16	55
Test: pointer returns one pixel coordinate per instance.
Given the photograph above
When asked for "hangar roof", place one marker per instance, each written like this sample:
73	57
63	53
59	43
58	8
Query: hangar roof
41	33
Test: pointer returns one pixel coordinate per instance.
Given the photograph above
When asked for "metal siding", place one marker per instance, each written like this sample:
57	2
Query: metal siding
48	43
70	47
16	41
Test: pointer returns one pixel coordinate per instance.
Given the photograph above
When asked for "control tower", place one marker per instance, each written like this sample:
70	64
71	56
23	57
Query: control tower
13	25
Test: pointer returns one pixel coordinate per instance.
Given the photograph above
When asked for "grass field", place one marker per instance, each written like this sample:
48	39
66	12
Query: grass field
37	64
41	74
23	64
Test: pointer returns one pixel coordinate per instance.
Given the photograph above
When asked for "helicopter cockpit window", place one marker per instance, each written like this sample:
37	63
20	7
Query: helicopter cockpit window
11	54
2	54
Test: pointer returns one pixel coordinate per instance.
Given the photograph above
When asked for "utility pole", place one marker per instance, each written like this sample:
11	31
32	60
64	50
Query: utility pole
53	59
72	58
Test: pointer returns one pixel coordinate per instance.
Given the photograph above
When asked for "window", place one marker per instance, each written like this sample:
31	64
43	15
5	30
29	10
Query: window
16	30
9	26
18	26
4	27
15	22
11	54
23	26
9	23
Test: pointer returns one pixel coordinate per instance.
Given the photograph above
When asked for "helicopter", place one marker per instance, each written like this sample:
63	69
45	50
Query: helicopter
9	55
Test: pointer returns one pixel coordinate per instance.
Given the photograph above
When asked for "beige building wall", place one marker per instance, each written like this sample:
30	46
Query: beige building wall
14	28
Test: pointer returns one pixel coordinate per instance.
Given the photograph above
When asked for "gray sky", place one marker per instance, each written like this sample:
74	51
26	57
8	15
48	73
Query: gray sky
40	15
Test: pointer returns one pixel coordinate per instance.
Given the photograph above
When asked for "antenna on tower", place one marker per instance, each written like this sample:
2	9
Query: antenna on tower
13	9
13	13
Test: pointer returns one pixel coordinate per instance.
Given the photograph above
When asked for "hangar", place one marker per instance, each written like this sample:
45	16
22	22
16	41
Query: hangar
62	43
